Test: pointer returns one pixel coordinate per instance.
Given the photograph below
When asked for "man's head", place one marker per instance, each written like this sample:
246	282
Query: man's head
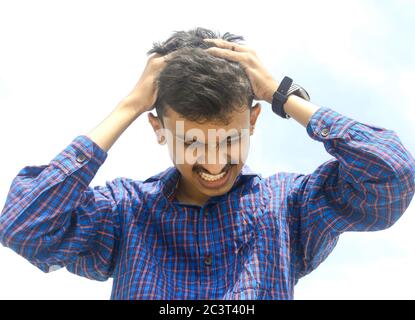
197	93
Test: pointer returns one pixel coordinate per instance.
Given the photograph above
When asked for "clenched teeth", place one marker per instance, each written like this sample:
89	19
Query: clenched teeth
209	177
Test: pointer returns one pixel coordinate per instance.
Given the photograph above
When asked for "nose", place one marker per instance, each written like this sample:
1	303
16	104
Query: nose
214	162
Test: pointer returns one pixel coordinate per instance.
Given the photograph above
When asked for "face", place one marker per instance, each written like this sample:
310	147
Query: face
208	155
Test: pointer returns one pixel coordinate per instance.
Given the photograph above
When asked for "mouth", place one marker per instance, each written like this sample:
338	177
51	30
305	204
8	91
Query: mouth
214	181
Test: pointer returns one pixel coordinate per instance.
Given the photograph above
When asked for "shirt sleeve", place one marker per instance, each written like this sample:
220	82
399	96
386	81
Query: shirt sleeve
366	187
53	219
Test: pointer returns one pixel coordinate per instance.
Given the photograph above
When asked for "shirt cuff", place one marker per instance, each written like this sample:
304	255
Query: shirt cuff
326	124
82	151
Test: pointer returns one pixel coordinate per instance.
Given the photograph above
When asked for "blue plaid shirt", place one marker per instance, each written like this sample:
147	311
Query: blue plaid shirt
254	242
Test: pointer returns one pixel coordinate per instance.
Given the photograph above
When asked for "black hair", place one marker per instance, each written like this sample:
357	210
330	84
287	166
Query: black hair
197	85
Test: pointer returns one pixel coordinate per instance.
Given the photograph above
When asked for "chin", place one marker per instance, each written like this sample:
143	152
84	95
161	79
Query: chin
213	193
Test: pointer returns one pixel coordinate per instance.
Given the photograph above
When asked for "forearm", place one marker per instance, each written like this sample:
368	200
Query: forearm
297	108
111	128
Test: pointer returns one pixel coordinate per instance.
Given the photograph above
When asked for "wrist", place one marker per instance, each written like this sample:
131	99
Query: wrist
270	92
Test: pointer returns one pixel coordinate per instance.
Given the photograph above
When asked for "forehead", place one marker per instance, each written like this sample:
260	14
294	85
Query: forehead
236	120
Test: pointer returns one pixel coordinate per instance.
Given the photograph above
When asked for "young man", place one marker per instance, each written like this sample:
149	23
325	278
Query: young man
207	228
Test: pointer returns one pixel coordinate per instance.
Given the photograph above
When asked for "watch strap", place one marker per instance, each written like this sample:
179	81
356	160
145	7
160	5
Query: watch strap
280	97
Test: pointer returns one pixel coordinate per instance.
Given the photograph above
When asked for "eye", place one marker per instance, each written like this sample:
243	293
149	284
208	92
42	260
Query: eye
230	140
193	143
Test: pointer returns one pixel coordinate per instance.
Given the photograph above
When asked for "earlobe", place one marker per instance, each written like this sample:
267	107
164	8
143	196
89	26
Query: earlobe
161	138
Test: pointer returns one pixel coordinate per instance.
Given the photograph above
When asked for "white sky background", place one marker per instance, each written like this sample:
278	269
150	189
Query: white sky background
64	65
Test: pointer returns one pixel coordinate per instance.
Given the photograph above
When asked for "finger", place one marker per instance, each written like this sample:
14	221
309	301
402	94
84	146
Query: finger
227	54
155	56
162	58
228	45
166	58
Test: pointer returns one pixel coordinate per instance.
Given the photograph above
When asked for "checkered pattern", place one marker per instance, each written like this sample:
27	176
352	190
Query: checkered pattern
254	242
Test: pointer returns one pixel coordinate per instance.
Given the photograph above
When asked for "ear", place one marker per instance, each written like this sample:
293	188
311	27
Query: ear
158	127
255	111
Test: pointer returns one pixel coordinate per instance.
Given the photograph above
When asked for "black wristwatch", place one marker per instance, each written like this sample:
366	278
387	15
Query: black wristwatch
280	97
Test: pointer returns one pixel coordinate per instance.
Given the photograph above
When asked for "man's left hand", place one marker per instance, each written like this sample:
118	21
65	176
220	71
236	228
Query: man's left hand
261	80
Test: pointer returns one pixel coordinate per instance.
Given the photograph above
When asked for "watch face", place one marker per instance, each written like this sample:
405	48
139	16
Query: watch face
281	95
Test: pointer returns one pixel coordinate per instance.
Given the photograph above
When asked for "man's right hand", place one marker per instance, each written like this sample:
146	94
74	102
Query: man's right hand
144	94
141	99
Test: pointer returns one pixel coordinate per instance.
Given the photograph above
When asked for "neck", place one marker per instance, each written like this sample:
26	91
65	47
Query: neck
186	194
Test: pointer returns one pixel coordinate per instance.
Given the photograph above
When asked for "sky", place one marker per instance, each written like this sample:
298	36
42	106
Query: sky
64	66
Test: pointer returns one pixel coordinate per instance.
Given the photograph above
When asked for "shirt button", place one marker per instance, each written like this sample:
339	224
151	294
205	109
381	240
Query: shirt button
208	260
206	213
80	158
325	132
